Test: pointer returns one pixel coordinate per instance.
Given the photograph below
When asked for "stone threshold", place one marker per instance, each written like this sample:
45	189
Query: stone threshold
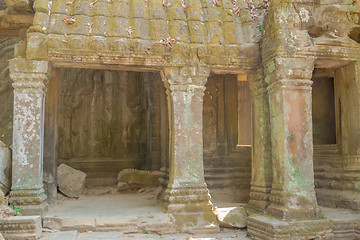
265	227
161	224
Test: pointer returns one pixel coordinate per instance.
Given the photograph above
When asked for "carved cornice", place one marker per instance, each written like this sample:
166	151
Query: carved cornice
186	79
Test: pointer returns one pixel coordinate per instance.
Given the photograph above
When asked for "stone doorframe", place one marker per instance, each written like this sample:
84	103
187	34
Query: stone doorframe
186	197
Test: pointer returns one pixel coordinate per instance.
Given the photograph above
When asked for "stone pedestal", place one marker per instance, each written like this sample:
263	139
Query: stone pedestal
292	194
187	196
27	190
264	227
261	167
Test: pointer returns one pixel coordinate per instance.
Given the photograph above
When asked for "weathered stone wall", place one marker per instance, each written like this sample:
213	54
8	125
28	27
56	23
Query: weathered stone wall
227	166
105	122
2	5
6	90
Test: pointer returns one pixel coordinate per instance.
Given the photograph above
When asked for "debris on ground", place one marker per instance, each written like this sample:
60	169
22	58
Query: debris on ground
139	180
231	217
71	182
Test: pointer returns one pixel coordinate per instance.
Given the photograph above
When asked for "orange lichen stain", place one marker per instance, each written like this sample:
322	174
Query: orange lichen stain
295	122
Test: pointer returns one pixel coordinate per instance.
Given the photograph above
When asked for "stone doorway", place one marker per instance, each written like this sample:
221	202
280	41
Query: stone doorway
107	121
227	137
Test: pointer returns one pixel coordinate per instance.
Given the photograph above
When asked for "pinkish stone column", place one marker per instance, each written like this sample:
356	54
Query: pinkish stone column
27	162
187	196
293	193
261	163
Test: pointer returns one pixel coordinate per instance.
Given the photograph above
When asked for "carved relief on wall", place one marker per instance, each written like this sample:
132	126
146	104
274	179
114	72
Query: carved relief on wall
6	90
102	121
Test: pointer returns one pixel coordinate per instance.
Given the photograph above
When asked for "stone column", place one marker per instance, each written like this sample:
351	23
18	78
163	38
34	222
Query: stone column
51	136
187	196
27	162
293	194
261	167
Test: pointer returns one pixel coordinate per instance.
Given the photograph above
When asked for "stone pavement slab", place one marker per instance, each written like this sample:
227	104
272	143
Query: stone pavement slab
227	235
69	235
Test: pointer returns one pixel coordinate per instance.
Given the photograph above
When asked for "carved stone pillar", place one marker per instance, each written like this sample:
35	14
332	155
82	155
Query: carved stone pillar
187	196
292	194
27	168
261	167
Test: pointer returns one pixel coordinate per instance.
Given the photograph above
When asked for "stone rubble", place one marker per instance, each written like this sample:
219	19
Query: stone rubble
71	182
233	217
137	179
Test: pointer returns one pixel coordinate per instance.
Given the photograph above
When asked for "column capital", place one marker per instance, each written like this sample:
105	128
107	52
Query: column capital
291	84
28	73
288	68
185	79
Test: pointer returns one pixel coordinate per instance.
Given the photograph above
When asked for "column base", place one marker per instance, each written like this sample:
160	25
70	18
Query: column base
191	209
289	207
50	191
264	227
31	202
260	197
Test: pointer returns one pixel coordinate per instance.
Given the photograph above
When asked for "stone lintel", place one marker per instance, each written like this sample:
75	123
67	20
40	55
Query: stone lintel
263	227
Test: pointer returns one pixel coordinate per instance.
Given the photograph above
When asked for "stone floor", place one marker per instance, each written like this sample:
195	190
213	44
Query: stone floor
111	215
106	214
74	235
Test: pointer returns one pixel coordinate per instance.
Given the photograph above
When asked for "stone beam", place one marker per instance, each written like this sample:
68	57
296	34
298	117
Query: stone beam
27	167
11	25
187	196
261	167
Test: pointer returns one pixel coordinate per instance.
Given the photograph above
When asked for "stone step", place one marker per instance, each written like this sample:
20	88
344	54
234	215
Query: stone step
21	227
69	235
161	224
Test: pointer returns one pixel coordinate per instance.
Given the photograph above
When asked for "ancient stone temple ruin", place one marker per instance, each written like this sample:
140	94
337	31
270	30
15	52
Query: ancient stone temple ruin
260	99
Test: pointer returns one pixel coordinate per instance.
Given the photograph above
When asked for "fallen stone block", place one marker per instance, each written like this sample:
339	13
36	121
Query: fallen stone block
5	168
231	217
71	182
1	237
139	177
21	227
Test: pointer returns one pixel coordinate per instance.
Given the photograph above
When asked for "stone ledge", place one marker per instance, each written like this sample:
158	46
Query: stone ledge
153	224
264	227
21	227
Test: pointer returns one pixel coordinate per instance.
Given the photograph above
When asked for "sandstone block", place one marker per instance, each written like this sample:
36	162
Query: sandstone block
21	227
68	235
133	176
71	182
5	167
234	217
